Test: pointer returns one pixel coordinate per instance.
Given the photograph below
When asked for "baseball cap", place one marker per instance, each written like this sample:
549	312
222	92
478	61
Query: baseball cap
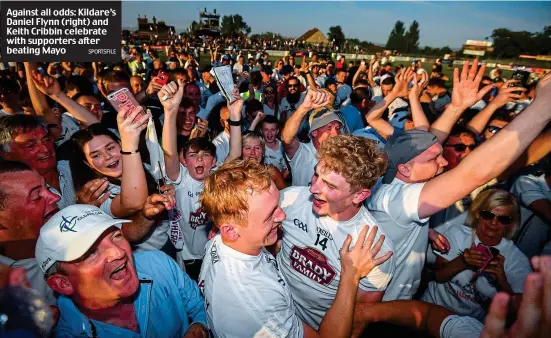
404	146
322	118
398	117
69	234
287	69
267	69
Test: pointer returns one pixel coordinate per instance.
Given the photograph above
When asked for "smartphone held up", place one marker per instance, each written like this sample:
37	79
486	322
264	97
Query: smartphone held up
124	99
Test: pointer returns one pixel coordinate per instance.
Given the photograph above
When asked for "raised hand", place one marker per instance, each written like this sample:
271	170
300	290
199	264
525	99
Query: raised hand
130	124
360	260
418	85
402	79
153	86
507	94
314	99
534	315
466	88
236	105
94	192
171	95
45	83
202	127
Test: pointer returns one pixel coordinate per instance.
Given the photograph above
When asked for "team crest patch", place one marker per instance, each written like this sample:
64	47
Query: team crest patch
312	264
198	219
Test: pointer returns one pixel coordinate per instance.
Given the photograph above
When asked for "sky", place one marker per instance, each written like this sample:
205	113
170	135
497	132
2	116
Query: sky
442	23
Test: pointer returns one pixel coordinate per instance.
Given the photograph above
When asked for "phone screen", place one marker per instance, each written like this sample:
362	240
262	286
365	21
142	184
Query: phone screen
123	98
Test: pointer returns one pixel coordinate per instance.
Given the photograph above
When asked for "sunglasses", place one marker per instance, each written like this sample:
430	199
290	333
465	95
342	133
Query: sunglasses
460	147
292	85
490	216
494	129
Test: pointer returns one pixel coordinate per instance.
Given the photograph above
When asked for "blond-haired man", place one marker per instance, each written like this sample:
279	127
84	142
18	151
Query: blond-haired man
320	218
245	293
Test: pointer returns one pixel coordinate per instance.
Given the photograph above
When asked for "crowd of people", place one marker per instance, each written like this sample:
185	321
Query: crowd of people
319	198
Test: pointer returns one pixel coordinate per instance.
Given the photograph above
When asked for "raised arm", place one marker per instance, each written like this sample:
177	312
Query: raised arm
235	130
50	86
361	69
375	115
38	100
465	94
491	158
259	117
314	99
170	96
370	72
311	82
506	94
133	183
420	120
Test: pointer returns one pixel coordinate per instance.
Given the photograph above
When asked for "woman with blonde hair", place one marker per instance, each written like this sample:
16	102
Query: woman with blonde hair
482	259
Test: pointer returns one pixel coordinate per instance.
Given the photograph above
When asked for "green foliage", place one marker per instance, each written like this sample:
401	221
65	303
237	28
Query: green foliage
335	32
397	39
509	44
412	38
233	26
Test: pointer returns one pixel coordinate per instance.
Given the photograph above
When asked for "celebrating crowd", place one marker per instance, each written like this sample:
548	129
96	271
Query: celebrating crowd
318	198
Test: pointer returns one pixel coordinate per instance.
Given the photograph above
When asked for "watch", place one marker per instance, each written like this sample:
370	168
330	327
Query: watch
234	123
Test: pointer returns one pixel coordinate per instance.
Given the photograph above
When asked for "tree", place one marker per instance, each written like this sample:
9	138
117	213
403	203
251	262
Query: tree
511	44
412	38
233	26
396	39
335	33
194	27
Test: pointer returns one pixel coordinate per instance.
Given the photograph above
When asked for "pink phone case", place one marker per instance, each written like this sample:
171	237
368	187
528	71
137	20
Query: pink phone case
486	253
123	98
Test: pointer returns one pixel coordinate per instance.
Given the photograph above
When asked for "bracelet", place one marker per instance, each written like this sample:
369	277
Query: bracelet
234	123
130	152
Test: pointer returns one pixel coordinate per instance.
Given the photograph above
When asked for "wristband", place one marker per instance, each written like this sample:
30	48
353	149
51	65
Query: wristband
130	152
234	123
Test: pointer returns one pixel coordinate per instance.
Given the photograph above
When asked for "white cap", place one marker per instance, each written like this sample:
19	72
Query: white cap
70	233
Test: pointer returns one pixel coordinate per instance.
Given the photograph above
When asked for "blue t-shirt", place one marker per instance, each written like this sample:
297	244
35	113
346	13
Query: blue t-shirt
167	303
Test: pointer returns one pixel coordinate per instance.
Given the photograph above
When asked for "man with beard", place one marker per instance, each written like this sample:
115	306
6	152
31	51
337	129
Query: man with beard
107	291
188	165
293	99
323	125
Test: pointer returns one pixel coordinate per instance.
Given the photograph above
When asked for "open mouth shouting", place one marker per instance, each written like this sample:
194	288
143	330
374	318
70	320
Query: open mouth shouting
120	272
319	202
200	169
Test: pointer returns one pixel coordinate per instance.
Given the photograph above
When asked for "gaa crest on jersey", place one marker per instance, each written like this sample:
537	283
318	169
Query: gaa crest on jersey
198	219
313	264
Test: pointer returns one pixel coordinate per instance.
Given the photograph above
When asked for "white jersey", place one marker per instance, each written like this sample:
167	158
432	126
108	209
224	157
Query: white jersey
194	223
530	188
395	207
246	296
275	157
303	164
222	144
460	294
309	256
290	108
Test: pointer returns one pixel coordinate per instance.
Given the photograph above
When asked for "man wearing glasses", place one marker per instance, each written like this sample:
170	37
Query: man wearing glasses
293	100
461	143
